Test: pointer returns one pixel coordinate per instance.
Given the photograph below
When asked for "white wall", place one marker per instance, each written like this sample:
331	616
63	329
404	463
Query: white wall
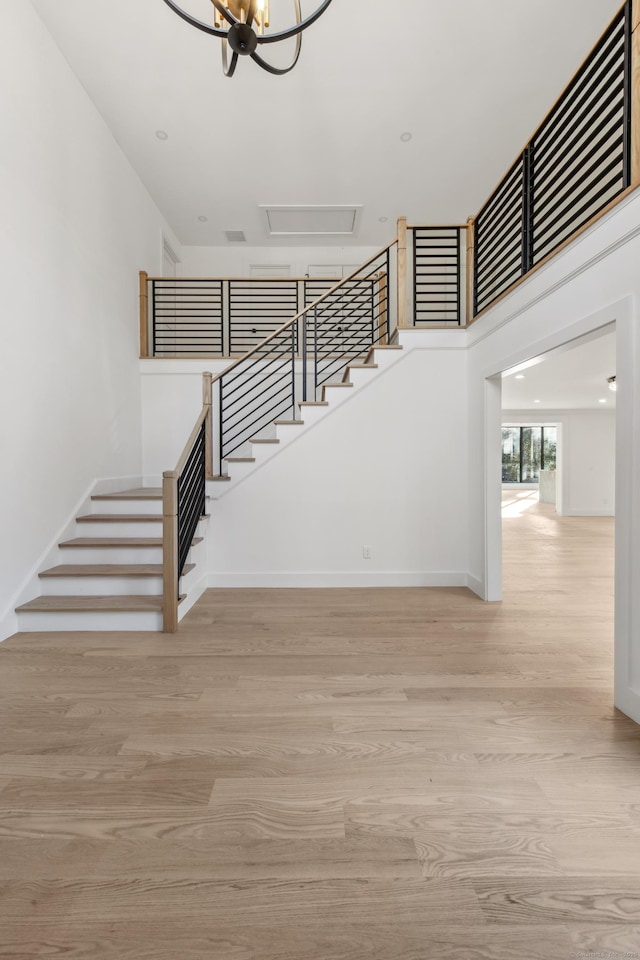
76	226
388	470
586	458
235	260
593	282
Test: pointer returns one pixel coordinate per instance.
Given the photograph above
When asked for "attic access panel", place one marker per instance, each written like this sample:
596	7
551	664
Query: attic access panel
315	220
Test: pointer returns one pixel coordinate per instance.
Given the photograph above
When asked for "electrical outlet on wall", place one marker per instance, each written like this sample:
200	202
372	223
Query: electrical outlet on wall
367	553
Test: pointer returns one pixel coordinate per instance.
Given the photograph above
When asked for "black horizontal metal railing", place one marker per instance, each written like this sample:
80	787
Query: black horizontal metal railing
345	323
257	391
191	496
224	317
437	274
292	363
576	163
186	317
257	308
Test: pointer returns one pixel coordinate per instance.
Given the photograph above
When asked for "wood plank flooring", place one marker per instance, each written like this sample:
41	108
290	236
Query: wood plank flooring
332	775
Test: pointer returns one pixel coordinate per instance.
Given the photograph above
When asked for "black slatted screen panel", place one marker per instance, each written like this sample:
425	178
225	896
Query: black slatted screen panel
436	275
498	237
187	317
256	309
577	162
578	156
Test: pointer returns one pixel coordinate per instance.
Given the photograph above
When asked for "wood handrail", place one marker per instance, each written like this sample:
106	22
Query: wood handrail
244	279
294	320
204	413
144	314
635	94
401	291
436	226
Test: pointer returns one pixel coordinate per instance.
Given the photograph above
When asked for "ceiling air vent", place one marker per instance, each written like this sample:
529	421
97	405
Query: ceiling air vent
235	236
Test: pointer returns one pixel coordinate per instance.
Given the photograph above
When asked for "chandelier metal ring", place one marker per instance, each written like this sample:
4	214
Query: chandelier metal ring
243	39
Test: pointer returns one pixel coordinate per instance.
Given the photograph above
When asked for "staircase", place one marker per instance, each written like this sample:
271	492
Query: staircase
120	571
263	447
110	574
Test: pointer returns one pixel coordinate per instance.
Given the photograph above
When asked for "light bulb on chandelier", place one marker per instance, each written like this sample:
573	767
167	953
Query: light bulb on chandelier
244	25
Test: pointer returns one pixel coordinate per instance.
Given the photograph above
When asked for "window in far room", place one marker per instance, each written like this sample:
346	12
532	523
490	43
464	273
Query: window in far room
527	450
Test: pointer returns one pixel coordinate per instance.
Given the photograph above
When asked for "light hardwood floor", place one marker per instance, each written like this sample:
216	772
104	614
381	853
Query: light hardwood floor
331	775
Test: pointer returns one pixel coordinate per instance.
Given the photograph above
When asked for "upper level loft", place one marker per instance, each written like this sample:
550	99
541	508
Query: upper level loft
581	161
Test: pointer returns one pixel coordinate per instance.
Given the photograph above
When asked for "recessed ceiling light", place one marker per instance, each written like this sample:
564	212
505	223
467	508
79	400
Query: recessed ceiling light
162	135
382	219
602	400
406	136
536	401
203	219
519	376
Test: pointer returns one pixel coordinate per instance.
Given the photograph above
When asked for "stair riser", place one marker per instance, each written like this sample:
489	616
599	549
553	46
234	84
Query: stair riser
286	433
262	452
386	358
62	620
119	529
126	506
101	586
110	555
358	377
337	395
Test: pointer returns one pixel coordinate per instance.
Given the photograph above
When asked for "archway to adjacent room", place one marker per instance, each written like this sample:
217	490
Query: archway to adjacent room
551	417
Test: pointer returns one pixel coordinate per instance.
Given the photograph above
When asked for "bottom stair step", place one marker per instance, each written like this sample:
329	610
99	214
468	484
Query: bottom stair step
109	570
103	604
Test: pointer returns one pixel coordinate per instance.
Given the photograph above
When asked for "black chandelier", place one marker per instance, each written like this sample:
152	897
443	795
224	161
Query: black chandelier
244	25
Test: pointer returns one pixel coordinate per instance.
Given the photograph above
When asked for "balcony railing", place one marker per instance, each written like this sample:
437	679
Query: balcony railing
582	159
578	161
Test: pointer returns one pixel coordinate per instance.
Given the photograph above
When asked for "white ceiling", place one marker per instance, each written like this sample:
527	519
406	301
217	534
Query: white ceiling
470	80
572	377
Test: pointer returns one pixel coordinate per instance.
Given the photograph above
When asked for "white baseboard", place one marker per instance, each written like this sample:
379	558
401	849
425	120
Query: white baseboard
8	625
588	513
193	595
475	585
628	701
322	579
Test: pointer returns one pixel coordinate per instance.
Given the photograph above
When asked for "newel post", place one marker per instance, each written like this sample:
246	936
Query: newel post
144	314
402	273
471	266
207	400
635	93
170	551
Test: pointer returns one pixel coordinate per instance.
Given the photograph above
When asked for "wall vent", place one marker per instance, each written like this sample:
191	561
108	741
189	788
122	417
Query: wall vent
235	236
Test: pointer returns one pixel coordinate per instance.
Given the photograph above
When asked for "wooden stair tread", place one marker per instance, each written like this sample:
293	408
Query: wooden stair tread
120	518
362	366
313	403
113	542
118	542
137	493
239	459
341	384
289	423
109	570
222	476
261	440
113	604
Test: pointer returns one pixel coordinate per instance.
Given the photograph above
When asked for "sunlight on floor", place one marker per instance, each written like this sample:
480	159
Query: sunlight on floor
514	505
